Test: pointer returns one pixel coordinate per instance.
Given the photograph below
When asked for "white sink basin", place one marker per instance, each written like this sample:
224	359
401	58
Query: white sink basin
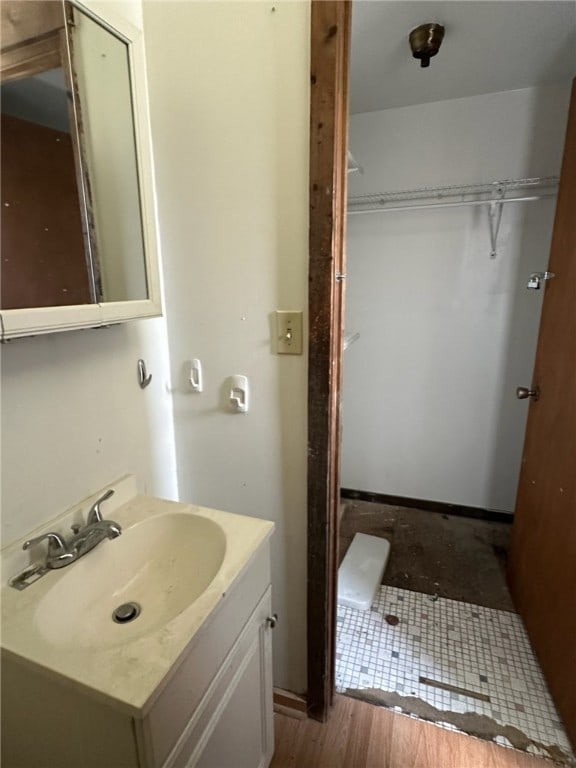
162	563
178	561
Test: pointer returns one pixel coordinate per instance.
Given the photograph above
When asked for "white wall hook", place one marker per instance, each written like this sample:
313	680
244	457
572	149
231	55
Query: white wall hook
195	378
239	394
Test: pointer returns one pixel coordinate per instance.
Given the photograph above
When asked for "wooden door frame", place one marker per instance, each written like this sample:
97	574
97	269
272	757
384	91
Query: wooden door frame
330	51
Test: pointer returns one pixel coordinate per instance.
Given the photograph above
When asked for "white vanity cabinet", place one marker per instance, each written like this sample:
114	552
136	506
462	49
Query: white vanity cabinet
216	711
240	729
212	710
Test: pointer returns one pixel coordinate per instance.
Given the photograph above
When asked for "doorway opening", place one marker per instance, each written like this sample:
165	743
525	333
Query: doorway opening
441	327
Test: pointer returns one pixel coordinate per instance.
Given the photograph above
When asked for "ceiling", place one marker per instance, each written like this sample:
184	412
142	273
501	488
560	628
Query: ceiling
490	45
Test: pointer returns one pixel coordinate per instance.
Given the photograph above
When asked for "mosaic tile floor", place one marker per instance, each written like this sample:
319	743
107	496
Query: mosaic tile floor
463	666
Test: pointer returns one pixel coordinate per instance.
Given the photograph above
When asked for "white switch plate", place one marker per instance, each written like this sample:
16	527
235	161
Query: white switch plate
288	332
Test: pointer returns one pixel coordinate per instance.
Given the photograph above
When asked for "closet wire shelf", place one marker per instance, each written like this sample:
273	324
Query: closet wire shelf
492	193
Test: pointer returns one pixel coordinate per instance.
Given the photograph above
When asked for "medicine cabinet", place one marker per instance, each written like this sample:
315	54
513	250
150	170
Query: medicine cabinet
79	236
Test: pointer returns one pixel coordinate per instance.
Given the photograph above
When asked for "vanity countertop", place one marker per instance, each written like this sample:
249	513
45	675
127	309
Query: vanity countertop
126	673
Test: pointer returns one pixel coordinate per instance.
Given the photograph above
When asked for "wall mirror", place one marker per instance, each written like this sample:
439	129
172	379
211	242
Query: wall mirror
79	241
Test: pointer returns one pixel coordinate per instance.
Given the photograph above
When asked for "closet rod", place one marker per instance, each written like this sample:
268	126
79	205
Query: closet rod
498	201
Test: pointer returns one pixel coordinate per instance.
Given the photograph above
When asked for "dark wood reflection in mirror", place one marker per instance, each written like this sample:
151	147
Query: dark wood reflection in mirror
43	256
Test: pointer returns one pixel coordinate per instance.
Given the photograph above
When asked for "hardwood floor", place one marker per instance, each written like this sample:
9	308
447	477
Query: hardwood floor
360	735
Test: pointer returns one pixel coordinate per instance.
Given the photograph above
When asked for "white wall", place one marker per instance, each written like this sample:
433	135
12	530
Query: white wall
229	109
75	419
446	333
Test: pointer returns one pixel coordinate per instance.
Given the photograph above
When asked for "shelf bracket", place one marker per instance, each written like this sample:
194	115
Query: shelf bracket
495	217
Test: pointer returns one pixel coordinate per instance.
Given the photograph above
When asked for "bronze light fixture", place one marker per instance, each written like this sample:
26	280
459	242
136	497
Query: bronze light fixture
425	42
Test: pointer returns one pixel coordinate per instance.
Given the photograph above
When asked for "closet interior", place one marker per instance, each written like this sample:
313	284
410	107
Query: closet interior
453	176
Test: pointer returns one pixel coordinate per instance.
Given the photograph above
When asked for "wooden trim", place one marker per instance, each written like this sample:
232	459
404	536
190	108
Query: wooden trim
30	59
456	510
29	37
23	22
290	704
330	45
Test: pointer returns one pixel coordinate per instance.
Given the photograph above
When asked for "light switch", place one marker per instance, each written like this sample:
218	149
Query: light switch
288	332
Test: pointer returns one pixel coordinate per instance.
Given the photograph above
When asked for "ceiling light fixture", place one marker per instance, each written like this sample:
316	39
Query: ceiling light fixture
425	42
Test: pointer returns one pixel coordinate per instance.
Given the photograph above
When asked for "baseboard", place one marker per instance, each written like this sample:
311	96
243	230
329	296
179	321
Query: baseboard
290	704
443	507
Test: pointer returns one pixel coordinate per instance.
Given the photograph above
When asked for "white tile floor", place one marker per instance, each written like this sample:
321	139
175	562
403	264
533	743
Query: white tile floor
484	651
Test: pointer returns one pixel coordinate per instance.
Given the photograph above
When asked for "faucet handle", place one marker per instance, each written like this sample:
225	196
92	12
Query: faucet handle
56	543
94	515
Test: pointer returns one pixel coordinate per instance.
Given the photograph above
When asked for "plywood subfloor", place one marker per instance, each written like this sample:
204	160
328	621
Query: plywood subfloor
360	735
455	557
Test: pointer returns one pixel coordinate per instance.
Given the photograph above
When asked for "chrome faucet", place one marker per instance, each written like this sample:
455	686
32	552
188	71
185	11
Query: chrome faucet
96	530
57	555
60	552
90	536
94	515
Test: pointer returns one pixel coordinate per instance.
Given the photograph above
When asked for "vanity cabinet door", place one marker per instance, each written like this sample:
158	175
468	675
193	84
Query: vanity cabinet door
240	730
186	710
244	734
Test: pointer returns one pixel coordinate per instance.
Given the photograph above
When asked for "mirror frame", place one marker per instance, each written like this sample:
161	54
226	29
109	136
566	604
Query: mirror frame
31	321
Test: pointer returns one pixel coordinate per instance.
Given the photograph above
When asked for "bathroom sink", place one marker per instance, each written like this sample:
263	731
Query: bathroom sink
179	562
163	564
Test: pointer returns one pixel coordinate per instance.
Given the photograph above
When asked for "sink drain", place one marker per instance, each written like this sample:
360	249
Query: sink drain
126	612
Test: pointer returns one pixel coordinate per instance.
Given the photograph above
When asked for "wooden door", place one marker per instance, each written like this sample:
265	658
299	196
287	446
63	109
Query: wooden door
542	568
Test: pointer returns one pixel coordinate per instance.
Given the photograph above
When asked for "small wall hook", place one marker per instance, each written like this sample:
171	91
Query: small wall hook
195	376
143	377
239	396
